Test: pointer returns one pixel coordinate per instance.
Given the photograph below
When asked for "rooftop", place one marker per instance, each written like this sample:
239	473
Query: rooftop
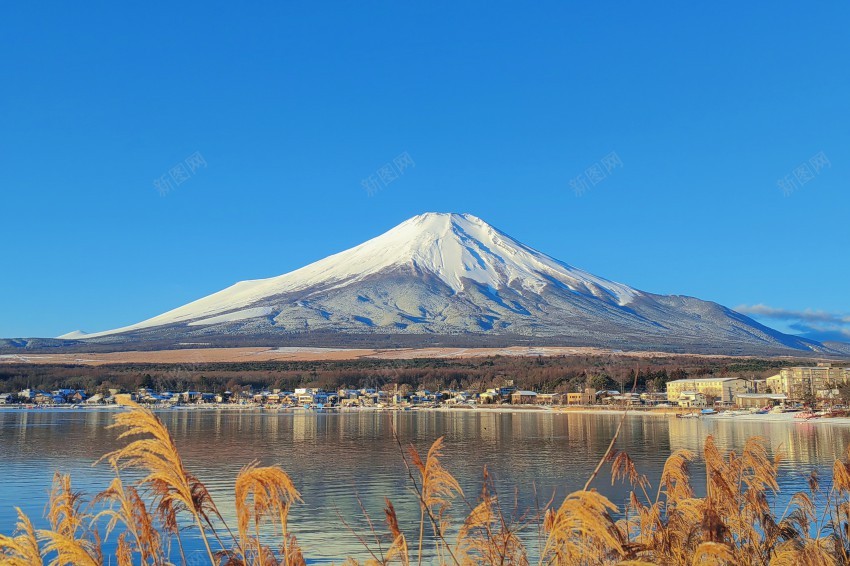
778	396
703	380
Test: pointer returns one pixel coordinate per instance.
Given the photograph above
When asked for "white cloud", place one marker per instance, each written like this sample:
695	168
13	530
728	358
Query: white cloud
816	324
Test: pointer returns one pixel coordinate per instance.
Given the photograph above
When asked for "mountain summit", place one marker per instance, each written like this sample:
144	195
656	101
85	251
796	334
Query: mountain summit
450	279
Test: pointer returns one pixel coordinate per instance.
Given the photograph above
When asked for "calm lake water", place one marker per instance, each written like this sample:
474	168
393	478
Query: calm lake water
337	457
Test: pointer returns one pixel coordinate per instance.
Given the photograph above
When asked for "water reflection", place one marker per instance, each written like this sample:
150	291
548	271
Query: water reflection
337	458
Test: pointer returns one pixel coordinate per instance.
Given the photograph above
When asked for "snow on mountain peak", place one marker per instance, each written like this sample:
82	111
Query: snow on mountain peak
456	248
459	249
76	334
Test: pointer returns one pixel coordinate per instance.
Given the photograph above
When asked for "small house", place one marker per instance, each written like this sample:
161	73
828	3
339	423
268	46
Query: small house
190	396
523	397
43	398
586	397
77	397
760	400
549	398
691	399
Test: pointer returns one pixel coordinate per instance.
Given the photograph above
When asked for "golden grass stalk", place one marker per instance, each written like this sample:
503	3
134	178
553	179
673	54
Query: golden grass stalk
70	540
263	492
676	476
486	537
70	551
713	554
64	510
398	549
125	506
809	553
582	531
438	488
20	549
123	554
153	450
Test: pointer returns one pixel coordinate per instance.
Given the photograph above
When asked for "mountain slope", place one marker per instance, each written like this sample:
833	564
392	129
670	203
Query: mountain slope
453	275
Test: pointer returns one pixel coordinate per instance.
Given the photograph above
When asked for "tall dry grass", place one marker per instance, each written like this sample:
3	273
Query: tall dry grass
736	521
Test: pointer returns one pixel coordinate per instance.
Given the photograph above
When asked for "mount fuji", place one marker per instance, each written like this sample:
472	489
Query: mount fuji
452	279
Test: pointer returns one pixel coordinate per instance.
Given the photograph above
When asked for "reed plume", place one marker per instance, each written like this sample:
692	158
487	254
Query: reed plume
70	540
125	506
398	549
438	488
582	531
20	549
486	537
265	492
153	450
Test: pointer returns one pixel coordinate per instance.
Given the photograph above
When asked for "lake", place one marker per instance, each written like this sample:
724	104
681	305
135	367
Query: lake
338	460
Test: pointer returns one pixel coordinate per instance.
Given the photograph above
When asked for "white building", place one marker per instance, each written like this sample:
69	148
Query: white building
721	389
691	399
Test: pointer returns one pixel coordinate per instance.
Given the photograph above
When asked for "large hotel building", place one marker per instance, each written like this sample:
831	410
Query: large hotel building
801	381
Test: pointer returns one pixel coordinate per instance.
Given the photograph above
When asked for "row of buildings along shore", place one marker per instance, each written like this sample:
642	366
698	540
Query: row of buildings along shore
800	384
306	397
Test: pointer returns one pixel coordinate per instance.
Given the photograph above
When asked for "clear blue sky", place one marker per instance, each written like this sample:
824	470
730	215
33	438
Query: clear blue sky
499	105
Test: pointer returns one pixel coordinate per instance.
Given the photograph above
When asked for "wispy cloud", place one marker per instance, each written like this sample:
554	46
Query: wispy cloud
808	314
816	324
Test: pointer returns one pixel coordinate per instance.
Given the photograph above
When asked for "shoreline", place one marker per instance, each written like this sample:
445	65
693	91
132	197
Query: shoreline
667	412
286	409
718	417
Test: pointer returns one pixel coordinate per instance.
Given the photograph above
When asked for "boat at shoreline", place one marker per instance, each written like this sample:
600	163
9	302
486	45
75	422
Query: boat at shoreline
807	415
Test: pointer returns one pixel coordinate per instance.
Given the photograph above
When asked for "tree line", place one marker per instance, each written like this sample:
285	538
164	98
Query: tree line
558	374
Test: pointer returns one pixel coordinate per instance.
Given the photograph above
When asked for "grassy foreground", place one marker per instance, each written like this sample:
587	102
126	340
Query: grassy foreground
736	522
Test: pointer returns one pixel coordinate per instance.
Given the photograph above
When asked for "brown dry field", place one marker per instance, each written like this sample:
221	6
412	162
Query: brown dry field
263	354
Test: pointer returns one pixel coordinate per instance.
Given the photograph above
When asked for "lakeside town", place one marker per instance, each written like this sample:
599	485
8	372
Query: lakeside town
822	386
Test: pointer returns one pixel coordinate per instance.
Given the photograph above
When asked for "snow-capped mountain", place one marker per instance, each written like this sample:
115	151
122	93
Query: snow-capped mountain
441	276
